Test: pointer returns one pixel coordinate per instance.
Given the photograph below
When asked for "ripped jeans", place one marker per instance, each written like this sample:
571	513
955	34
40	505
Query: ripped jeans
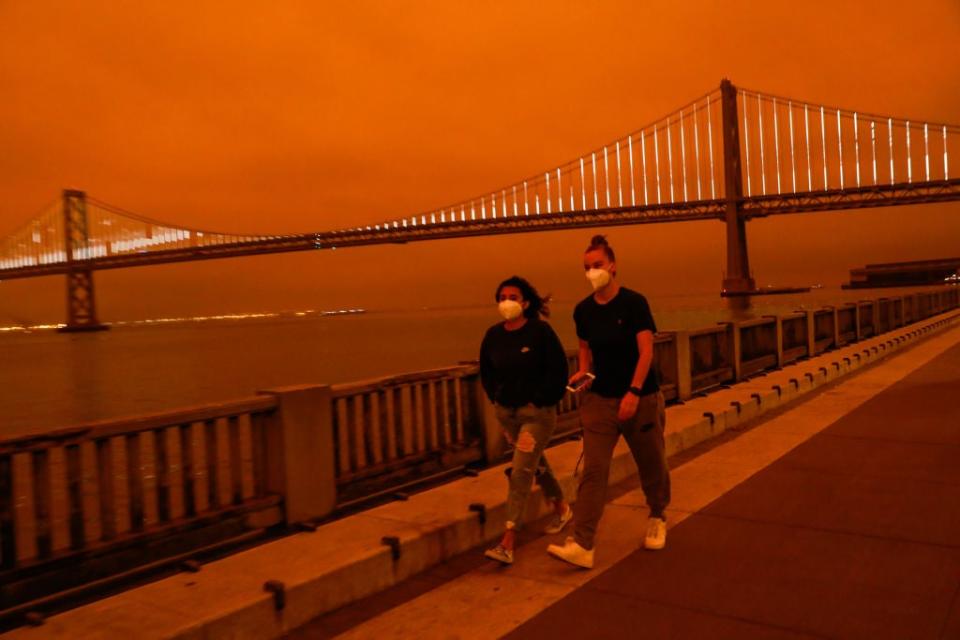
529	428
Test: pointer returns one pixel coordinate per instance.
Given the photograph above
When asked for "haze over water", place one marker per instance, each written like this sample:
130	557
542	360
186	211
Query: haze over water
50	380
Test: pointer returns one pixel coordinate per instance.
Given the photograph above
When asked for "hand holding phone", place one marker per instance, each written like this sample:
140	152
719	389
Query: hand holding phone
580	382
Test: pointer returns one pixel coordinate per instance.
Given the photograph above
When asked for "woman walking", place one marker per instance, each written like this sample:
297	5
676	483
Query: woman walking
616	331
523	369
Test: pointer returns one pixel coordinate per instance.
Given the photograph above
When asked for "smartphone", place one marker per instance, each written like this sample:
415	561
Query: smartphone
579	383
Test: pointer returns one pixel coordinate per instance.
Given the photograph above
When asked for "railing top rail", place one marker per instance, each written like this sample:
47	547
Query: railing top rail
136	424
362	386
720	327
753	322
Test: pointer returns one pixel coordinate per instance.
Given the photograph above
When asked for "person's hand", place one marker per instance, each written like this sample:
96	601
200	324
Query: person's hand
628	407
580	374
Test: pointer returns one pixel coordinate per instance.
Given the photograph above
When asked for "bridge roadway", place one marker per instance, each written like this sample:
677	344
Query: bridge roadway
835	517
752	207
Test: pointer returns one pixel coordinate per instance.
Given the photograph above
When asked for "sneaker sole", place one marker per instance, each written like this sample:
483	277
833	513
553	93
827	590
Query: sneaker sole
498	558
568	561
563	525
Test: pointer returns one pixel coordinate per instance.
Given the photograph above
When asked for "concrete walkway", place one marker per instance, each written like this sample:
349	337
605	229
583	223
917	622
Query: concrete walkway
838	518
345	561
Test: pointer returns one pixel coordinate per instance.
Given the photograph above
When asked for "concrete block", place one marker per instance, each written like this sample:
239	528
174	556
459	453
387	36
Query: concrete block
300	452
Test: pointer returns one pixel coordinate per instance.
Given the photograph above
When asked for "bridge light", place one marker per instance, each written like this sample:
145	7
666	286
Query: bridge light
547	175
643	157
946	169
909	162
713	189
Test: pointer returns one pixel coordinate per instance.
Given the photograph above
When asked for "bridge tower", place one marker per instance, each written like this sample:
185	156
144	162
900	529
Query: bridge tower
81	303
737	278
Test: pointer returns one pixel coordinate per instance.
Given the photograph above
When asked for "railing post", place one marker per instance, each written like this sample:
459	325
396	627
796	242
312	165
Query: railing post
811	332
733	336
299	454
856	320
738	262
836	327
778	330
684	379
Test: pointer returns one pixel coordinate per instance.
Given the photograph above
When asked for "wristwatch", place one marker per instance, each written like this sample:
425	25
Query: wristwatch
635	391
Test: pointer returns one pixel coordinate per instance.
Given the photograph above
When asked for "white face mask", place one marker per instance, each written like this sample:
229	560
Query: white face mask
510	309
599	278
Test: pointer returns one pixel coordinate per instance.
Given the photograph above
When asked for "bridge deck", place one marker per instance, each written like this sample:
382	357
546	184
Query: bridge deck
756	206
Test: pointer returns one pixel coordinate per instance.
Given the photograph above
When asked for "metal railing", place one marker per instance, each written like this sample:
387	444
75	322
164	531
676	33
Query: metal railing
403	426
73	496
758	345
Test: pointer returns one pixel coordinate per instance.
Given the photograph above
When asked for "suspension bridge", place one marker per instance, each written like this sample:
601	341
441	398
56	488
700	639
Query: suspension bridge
730	155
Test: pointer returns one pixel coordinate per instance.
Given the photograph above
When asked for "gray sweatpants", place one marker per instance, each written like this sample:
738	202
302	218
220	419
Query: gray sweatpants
601	430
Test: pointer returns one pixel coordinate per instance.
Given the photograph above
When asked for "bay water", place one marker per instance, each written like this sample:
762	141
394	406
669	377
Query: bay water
51	380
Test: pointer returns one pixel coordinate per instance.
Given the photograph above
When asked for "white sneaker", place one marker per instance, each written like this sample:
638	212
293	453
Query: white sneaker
558	522
656	536
573	553
500	553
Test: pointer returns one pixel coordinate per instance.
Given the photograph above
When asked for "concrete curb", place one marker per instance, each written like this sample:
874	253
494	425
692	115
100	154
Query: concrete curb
313	573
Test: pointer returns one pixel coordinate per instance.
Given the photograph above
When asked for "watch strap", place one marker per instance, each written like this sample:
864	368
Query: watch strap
637	391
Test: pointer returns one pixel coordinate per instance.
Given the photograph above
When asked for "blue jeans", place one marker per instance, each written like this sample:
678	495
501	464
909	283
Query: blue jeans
530	429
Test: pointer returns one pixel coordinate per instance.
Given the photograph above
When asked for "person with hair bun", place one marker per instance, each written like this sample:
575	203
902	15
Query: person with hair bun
523	369
616	331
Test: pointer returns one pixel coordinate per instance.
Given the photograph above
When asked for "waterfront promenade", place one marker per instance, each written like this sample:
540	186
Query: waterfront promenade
836	518
773	532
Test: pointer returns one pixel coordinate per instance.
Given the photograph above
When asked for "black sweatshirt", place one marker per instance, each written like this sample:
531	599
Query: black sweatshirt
527	365
611	331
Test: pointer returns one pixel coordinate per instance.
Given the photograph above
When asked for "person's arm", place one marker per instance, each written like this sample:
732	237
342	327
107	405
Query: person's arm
584	364
584	358
553	374
630	401
645	327
584	355
488	372
645	346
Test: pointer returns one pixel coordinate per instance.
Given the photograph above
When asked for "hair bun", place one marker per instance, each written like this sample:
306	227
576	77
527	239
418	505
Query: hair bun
599	239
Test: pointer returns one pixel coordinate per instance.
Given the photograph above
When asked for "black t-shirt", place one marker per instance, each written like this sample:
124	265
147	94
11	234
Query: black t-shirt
611	331
523	366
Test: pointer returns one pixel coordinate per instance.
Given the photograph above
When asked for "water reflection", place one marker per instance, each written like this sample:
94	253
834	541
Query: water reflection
740	307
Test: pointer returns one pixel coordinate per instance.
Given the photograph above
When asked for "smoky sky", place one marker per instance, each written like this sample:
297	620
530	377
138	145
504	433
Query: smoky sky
303	116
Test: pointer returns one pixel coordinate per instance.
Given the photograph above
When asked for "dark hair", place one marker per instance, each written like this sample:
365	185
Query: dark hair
538	303
600	242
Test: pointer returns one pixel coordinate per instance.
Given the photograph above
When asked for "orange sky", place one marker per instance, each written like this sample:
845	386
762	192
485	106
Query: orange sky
302	116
